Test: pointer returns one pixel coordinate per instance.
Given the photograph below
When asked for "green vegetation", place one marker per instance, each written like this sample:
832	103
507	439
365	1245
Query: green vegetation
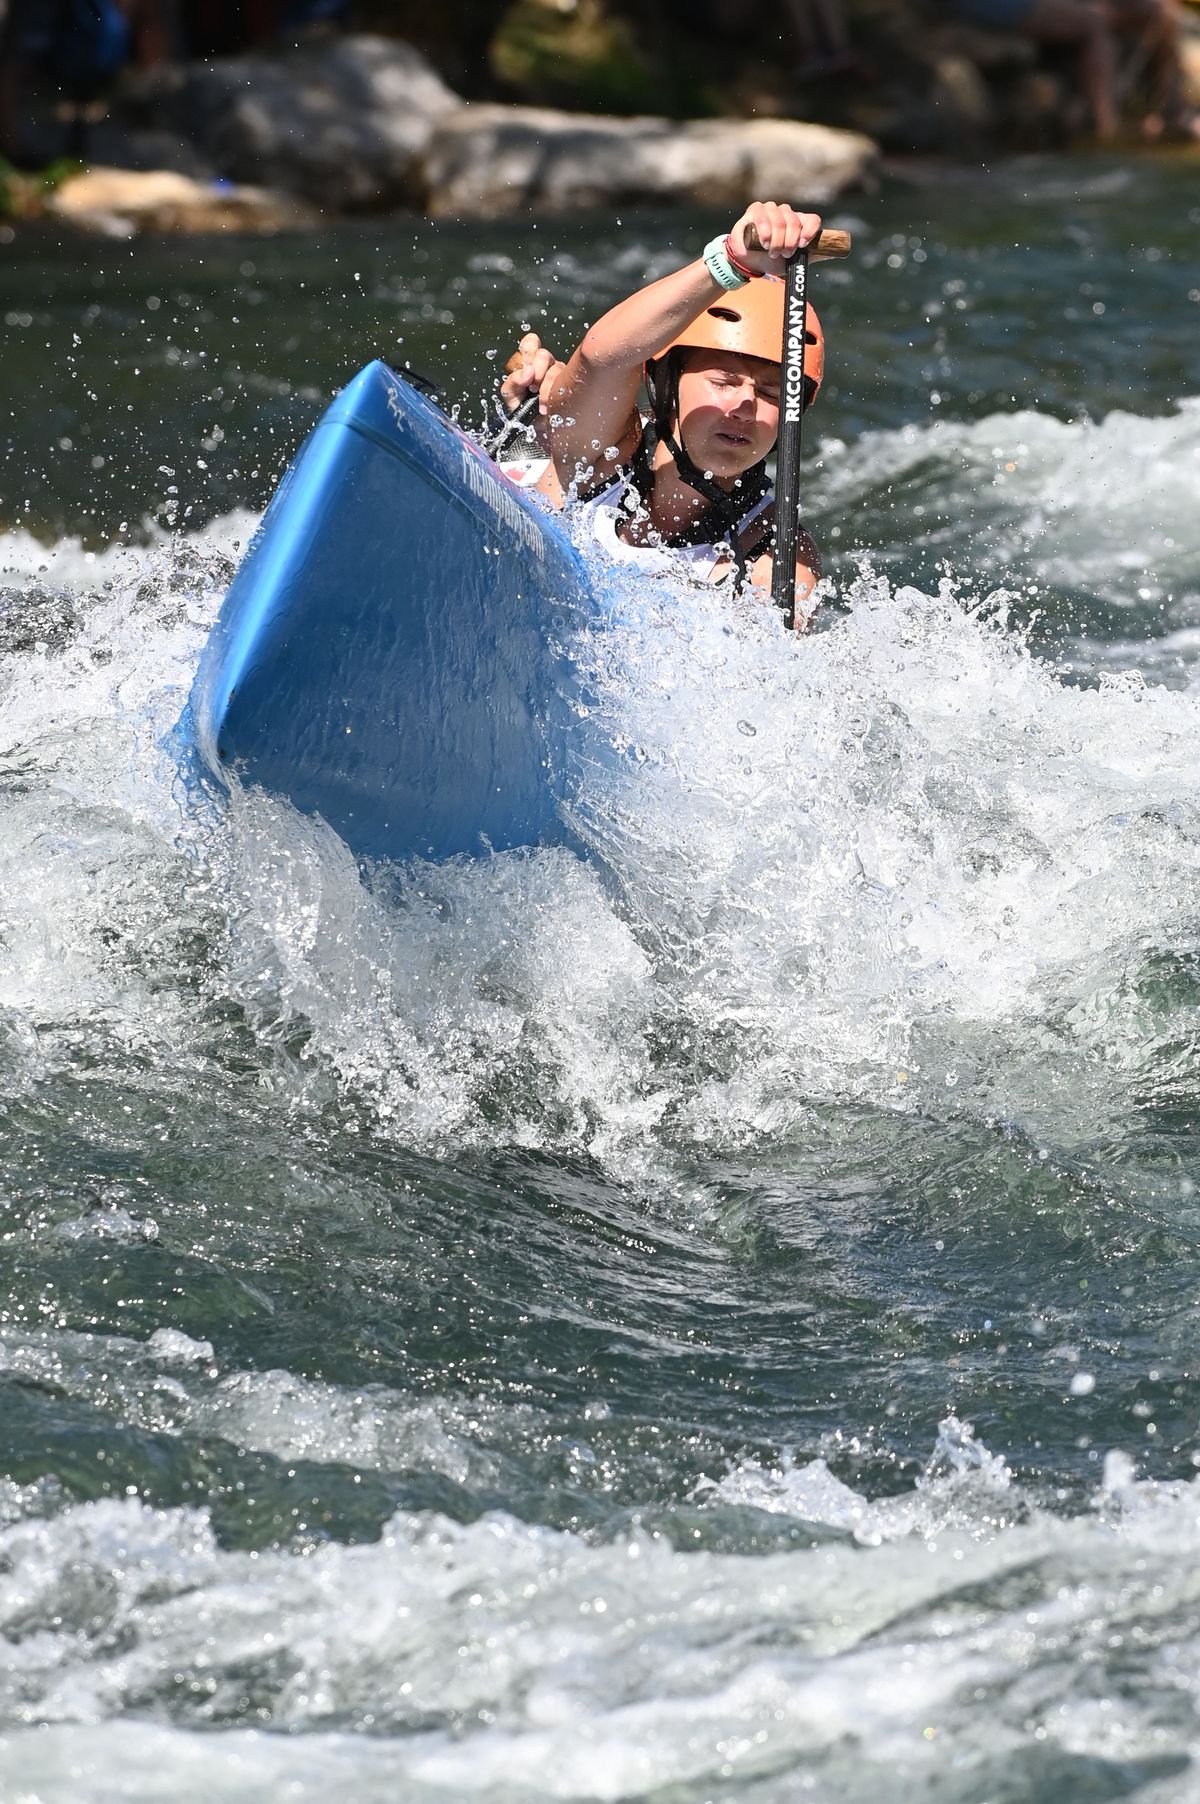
573	52
23	192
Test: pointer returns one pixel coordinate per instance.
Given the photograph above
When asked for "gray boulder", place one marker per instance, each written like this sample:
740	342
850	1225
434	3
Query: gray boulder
341	121
484	160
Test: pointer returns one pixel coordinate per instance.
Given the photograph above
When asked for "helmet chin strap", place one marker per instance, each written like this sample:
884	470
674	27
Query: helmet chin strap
726	507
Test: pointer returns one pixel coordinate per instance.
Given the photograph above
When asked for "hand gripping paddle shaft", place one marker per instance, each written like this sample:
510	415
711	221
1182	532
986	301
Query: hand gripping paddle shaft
791	411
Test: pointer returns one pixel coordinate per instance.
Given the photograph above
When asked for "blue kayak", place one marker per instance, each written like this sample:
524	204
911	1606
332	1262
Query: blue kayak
391	653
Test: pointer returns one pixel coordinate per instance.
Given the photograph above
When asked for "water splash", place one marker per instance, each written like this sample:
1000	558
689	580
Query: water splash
899	861
1093	521
502	1660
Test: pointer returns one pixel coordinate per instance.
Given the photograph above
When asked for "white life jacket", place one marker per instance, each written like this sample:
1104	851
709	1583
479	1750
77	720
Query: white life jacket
596	523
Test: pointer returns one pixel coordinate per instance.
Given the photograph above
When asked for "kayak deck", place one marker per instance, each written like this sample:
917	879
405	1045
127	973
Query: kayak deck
389	655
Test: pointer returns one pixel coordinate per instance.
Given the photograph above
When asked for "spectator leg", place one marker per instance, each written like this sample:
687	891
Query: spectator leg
1157	28
1086	26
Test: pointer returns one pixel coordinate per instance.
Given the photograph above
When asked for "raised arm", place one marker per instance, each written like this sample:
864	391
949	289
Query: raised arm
593	406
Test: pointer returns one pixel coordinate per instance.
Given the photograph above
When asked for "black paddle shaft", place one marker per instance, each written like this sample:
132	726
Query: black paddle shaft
521	416
787	454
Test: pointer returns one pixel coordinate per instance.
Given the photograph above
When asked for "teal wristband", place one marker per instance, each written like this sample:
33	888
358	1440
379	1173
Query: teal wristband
716	262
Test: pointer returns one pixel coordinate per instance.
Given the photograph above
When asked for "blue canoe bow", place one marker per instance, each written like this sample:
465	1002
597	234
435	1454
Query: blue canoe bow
391	653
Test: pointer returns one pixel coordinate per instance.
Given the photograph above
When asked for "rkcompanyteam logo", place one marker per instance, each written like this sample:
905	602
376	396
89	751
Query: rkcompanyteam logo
494	495
793	375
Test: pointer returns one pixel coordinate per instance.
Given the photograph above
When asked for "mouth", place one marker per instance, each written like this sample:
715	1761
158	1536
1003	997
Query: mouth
736	441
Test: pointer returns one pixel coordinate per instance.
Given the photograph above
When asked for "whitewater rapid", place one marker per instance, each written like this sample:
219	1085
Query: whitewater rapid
880	861
500	1289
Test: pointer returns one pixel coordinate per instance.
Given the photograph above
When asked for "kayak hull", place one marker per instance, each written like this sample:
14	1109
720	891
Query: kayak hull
391	654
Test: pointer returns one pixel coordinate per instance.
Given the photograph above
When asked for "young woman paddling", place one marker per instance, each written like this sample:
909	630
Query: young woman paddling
686	486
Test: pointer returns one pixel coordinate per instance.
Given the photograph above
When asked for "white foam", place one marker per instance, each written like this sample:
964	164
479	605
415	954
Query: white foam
855	864
70	565
500	1659
93	881
1105	507
172	1384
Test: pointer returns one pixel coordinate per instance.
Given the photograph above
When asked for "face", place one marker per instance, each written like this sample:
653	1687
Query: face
728	410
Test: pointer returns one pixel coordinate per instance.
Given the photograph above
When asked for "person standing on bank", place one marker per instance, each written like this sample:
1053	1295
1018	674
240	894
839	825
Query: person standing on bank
687	486
1095	29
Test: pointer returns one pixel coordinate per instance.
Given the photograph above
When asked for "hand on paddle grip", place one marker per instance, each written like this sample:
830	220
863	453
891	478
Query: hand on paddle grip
827	243
531	370
768	234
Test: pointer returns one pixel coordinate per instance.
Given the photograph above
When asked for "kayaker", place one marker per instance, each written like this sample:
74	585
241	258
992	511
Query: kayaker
687	485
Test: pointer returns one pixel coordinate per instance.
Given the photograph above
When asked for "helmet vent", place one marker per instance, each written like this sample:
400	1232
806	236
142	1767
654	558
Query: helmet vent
724	313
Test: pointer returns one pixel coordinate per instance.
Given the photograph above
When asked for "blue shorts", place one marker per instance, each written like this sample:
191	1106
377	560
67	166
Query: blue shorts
1002	15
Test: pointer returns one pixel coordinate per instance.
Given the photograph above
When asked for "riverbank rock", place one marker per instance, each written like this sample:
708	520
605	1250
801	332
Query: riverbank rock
120	202
340	121
484	160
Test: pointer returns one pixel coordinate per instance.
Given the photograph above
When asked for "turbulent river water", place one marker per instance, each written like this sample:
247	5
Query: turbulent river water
717	1323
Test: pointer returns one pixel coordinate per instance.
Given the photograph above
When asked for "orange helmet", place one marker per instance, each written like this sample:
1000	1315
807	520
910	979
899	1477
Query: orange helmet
749	321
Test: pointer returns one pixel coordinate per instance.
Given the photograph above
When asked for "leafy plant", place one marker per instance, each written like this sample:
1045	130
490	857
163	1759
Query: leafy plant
23	192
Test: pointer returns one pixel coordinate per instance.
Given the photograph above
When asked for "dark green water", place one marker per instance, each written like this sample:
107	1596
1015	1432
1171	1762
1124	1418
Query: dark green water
730	1334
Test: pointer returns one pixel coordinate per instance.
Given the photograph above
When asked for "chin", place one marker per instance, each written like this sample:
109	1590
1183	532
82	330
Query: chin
731	460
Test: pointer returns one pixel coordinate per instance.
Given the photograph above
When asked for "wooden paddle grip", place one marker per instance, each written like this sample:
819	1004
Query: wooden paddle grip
828	243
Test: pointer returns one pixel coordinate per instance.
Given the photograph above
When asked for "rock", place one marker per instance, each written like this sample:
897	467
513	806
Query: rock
952	114
120	202
484	160
992	52
961	98
342	121
1043	111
